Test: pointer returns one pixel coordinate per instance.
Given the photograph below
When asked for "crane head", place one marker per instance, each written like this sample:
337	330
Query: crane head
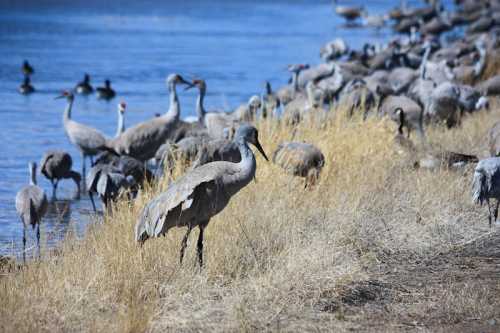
121	107
66	94
197	83
176	79
250	134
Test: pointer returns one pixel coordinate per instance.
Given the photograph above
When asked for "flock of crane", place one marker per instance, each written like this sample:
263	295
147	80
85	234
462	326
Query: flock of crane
416	79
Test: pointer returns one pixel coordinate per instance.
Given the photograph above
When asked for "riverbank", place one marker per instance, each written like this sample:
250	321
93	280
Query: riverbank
280	257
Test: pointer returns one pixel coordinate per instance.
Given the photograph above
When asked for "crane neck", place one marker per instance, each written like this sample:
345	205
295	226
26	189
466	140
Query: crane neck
175	107
247	164
200	109
67	110
295	82
32	174
121	124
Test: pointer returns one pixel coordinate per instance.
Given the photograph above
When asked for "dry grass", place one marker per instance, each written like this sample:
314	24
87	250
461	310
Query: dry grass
273	254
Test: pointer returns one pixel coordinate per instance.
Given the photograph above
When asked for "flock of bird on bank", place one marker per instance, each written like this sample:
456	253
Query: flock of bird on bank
417	80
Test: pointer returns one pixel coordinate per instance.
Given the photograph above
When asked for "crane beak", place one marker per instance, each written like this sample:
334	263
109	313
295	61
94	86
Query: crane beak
259	147
189	86
59	97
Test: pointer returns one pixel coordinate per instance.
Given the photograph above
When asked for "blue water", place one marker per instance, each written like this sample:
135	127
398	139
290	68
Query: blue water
235	45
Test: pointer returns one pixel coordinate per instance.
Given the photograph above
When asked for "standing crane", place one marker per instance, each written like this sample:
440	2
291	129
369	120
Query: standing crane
56	165
200	194
31	205
486	185
143	140
87	139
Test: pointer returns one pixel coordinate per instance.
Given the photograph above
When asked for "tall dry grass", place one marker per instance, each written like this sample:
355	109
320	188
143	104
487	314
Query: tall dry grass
271	255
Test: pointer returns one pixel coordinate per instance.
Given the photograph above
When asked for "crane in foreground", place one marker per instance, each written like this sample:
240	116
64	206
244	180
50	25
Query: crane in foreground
31	205
200	194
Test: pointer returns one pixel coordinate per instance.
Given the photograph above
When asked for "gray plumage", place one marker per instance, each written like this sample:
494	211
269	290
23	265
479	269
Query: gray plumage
200	194
218	150
31	206
107	181
300	159
184	151
87	139
486	184
56	165
494	139
143	140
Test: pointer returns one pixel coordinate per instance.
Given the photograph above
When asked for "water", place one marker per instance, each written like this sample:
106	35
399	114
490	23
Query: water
234	45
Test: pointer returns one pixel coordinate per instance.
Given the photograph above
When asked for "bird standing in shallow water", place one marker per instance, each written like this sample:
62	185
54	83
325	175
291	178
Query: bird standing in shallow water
200	194
87	139
31	205
56	165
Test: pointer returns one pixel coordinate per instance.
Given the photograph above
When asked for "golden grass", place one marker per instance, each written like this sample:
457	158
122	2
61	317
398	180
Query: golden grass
271	254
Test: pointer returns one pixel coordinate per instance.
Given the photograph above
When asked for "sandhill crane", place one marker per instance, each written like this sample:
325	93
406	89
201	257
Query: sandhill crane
445	159
300	159
215	122
490	86
31	205
108	182
248	112
27	69
26	88
120	128
333	49
486	184
200	194
494	139
288	93
56	165
87	139
128	166
184	151
143	140
105	92
270	102
84	87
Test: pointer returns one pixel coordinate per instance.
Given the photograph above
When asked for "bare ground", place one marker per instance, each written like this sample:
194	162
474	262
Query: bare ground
398	291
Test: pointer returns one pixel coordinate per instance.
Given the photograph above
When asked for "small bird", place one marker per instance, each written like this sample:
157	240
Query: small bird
31	206
56	165
27	69
26	88
105	92
300	159
84	87
200	194
486	185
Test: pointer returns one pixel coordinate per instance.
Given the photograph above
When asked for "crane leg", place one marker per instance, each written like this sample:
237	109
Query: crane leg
55	189
92	201
489	211
24	243
199	247
496	210
184	243
38	240
83	166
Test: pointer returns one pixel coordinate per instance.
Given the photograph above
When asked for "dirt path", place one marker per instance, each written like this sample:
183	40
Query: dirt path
458	291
